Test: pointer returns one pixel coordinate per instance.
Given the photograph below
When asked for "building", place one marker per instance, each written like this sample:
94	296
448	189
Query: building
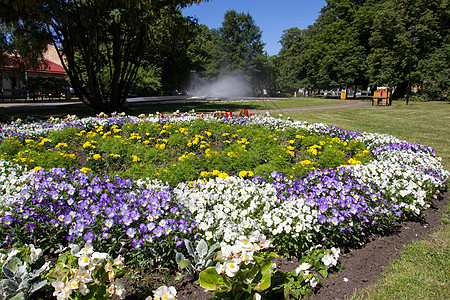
51	70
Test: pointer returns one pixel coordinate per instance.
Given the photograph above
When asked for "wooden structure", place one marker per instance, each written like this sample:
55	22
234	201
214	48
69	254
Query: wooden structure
382	97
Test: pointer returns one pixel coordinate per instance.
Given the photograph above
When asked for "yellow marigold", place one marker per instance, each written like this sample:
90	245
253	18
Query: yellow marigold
231	154
162	146
87	145
223	175
313	151
27	141
43	141
59	145
135	158
36	168
97	156
85	170
204	174
243	174
215	172
353	161
306	162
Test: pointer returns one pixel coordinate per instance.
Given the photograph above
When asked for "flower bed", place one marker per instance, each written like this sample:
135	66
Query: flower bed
140	186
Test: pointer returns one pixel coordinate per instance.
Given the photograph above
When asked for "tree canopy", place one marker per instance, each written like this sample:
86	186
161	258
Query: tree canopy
235	48
103	43
361	43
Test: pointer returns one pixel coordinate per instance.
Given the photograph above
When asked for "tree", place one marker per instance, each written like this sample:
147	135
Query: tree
332	52
395	23
293	61
26	43
233	49
102	42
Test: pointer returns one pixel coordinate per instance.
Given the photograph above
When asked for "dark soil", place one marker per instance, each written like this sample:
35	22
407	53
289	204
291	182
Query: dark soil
362	267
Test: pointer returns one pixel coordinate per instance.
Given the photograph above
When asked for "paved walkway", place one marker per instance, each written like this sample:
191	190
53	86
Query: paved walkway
177	99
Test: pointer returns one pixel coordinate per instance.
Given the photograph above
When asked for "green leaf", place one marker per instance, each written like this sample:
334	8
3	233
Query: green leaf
183	264
190	248
210	279
8	272
213	248
179	257
18	296
266	272
38	286
324	273
202	248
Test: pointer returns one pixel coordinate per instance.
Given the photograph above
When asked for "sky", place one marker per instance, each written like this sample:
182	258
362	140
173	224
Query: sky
272	17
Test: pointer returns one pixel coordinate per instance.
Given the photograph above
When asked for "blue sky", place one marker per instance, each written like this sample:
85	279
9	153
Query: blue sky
272	17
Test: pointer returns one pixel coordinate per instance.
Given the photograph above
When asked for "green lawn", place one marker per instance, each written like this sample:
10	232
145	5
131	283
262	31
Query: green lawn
147	108
425	122
421	272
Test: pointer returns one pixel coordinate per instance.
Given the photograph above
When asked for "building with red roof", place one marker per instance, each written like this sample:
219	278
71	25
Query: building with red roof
51	69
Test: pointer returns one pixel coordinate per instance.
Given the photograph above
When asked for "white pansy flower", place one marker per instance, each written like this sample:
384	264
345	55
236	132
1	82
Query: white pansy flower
231	267
166	293
303	267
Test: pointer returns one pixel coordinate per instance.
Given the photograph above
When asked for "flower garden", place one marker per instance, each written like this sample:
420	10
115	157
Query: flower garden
219	195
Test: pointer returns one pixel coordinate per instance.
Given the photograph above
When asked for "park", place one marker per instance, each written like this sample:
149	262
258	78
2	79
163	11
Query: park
248	179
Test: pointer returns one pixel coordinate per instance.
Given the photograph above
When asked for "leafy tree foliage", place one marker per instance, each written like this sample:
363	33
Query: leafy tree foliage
234	48
103	42
329	54
26	43
361	43
394	26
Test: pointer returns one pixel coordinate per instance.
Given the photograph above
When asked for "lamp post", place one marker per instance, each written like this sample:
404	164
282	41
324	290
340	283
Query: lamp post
410	58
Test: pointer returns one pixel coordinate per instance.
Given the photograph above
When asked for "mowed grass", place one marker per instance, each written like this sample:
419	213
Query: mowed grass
424	122
43	112
421	272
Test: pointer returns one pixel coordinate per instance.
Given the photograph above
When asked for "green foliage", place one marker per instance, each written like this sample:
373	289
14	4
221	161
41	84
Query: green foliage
147	81
304	279
234	48
180	152
84	274
104	44
202	257
21	276
367	43
252	278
